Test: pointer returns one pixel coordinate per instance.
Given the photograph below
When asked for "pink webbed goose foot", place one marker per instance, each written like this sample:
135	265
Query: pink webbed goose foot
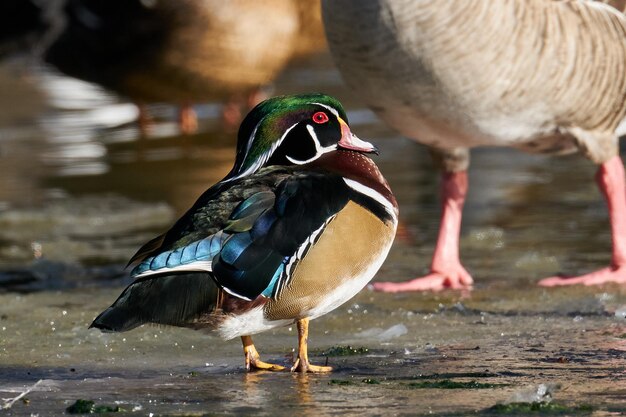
610	179
603	276
454	277
446	270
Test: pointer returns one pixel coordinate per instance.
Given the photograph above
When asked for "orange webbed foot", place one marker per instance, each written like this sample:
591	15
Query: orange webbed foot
253	359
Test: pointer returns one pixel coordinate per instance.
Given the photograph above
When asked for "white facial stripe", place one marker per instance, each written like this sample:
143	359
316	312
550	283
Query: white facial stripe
319	150
330	109
375	195
251	138
265	157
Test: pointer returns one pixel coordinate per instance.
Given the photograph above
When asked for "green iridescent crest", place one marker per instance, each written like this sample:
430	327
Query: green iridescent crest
264	127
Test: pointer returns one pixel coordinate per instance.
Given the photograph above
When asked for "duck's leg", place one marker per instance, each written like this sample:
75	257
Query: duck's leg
144	120
302	361
187	119
232	113
258	95
253	359
610	179
446	270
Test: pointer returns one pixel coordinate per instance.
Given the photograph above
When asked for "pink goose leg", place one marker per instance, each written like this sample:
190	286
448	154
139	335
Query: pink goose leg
610	179
446	269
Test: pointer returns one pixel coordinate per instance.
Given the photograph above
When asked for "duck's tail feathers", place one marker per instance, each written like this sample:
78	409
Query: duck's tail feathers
173	299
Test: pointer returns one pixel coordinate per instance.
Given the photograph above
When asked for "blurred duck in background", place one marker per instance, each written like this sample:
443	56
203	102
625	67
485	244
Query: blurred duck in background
170	51
22	25
543	76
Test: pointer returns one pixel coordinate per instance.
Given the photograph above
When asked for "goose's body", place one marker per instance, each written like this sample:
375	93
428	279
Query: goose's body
543	76
300	225
525	74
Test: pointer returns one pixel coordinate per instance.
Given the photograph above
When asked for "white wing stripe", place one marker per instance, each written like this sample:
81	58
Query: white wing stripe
287	274
198	266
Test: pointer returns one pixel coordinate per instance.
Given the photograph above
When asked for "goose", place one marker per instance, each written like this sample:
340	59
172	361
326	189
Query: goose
542	76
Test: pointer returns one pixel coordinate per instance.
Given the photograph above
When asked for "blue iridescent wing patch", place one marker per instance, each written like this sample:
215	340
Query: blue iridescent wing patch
196	256
265	236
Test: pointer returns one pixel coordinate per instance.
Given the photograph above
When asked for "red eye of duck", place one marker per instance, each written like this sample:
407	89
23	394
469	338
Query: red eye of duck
320	117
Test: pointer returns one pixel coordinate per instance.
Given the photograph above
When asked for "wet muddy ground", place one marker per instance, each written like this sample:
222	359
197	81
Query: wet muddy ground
79	192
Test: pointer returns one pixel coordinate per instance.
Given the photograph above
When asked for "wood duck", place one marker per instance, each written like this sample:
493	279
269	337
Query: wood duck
543	76
300	224
176	51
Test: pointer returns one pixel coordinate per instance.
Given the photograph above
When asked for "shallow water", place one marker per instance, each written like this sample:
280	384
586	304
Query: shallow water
79	192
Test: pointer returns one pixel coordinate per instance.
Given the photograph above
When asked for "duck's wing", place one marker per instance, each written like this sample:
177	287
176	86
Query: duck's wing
263	238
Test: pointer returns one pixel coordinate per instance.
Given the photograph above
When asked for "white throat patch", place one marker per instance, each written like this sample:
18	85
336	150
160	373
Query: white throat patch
319	149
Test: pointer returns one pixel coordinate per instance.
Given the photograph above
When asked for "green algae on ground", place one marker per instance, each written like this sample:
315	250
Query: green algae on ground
370	381
89	407
345	351
341	382
449	384
538	408
452	375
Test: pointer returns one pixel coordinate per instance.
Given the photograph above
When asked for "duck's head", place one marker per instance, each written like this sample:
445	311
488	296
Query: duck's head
293	130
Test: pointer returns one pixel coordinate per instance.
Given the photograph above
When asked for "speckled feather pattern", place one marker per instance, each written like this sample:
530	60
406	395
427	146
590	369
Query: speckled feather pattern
358	167
541	75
